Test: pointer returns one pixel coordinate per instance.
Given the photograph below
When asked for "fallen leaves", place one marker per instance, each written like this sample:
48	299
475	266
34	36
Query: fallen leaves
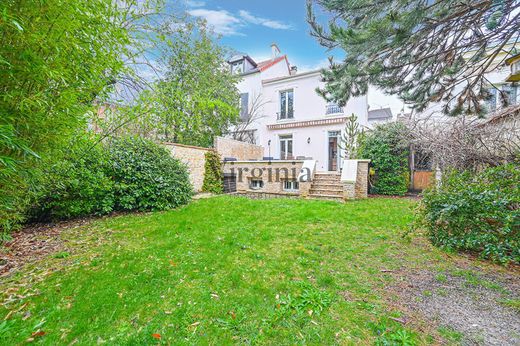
156	336
37	334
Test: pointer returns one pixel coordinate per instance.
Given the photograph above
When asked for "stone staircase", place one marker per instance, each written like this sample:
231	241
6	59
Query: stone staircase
327	185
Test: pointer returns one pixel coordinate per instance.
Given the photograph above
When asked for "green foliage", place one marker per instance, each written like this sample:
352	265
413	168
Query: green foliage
212	173
418	50
78	184
56	57
197	99
146	176
350	139
388	149
476	212
121	174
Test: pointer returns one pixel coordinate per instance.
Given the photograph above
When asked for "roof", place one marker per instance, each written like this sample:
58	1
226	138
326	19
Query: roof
239	57
380	114
264	65
504	113
512	59
294	76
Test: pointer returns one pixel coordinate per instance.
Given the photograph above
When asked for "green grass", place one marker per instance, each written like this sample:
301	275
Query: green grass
224	271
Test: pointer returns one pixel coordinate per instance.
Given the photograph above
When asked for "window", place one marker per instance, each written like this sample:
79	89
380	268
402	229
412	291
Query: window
510	93
286	147
286	104
291	185
256	184
237	67
491	102
244	106
515	68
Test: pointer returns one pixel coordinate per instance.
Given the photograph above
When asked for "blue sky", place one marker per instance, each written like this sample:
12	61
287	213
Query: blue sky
251	27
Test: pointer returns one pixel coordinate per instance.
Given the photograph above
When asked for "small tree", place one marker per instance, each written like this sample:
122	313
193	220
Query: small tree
387	146
350	138
243	131
197	99
212	173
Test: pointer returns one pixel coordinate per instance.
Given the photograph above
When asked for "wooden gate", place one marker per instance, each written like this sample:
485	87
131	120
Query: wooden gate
422	180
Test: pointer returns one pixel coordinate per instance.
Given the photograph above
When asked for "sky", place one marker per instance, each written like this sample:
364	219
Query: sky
251	26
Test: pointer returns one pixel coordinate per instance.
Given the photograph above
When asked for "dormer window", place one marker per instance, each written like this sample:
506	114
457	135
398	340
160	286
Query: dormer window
237	67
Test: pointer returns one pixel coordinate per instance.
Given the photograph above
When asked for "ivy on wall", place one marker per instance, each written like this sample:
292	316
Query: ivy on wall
212	173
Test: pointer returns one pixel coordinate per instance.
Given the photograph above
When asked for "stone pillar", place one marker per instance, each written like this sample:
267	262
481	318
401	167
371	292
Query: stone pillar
349	190
361	188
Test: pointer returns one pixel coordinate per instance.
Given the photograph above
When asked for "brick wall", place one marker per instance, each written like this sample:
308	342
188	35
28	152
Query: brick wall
194	158
242	151
267	172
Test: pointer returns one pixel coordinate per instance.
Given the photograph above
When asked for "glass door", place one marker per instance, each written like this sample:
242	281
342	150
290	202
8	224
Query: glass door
333	149
286	147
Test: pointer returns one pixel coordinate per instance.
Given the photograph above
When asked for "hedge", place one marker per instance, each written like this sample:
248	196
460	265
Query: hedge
476	212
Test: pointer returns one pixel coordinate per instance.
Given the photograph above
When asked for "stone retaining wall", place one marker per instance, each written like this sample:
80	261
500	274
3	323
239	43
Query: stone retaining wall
272	173
241	151
194	158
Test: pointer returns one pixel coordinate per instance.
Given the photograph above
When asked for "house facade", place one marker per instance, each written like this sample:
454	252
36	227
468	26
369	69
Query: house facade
281	111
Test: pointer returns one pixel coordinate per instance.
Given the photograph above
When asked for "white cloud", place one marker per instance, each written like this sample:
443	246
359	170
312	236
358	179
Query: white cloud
273	24
323	63
221	21
195	3
227	24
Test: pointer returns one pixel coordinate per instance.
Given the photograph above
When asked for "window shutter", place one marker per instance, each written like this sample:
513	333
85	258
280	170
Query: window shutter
244	106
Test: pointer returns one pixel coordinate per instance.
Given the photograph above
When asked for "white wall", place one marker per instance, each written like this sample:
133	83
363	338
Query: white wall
308	105
317	148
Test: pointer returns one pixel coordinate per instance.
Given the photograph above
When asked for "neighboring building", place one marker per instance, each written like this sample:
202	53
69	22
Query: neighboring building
281	111
378	116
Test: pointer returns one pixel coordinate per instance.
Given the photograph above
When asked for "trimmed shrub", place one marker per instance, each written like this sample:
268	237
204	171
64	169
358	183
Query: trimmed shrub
122	174
77	185
212	173
146	176
478	213
388	149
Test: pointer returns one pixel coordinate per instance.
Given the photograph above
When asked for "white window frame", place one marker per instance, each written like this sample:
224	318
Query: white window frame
291	185
286	139
286	91
256	184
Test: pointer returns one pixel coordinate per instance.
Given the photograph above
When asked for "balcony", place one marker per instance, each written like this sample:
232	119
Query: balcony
333	108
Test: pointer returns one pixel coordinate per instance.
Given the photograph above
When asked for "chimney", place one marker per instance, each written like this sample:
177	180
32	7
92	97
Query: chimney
294	70
275	51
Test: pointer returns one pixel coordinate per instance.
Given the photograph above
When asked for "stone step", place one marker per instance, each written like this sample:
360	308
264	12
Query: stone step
326	186
327	174
327	182
327	197
325	192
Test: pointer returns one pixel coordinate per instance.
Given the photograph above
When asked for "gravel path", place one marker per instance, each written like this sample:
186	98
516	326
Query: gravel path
471	304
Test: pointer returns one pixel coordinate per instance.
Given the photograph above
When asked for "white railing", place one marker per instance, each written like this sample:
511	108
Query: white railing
333	108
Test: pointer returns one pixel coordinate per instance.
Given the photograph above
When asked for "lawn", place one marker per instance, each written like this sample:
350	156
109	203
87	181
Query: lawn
225	270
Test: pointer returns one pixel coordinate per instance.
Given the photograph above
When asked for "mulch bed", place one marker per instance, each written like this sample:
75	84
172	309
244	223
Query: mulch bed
34	243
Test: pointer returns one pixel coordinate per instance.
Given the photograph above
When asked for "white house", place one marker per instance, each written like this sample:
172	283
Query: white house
282	112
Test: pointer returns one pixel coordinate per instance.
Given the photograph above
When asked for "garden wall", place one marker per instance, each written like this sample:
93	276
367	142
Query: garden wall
241	151
194	158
